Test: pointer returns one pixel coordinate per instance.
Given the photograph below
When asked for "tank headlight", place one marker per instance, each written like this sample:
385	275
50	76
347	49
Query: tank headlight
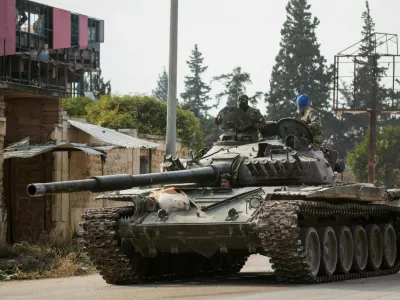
254	203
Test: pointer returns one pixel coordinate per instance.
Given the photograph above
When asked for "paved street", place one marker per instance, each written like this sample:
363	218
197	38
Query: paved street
246	285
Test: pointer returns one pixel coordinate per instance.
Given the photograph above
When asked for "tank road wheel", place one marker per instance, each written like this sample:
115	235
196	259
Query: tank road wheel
345	249
329	250
312	249
178	264
217	262
389	245
360	248
375	247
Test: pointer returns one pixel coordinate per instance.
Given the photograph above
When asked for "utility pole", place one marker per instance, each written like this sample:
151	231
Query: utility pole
172	80
372	123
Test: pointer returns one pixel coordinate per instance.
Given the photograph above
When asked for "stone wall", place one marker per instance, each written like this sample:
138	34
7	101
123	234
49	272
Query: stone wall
34	118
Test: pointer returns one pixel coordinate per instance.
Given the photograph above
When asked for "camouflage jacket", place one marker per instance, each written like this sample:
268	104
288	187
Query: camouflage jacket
254	114
312	118
257	118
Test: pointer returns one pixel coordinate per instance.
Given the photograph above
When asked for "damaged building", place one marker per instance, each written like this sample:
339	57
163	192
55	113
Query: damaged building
95	151
46	54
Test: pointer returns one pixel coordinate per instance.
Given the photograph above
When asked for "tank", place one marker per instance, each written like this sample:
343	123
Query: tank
285	202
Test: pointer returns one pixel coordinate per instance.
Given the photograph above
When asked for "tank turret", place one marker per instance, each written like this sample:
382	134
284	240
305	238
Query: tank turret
289	161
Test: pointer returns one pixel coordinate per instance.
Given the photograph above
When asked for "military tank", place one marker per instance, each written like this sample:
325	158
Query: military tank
284	202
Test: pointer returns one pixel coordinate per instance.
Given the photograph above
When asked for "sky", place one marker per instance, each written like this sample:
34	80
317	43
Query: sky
229	33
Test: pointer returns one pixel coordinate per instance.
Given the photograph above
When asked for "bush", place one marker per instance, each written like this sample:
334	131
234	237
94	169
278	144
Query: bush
387	169
146	114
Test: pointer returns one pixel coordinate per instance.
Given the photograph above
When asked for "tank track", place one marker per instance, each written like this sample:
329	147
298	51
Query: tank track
279	232
102	245
117	266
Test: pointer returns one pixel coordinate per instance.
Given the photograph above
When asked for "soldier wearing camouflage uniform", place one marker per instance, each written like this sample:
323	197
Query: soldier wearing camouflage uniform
254	113
313	120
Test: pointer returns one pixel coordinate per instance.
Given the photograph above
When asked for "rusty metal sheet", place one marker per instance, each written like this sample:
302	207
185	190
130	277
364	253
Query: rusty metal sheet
23	149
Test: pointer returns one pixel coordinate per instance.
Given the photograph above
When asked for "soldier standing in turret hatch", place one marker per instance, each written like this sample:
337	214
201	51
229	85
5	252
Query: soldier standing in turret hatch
313	120
254	113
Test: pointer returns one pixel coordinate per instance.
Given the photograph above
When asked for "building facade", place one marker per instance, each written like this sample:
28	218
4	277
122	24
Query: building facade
46	54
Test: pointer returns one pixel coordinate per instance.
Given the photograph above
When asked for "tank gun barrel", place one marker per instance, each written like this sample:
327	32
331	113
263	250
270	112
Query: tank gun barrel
97	184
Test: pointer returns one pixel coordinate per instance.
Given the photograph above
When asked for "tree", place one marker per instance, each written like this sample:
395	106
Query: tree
98	85
196	93
76	107
161	91
235	84
368	75
387	160
299	66
196	96
146	114
366	88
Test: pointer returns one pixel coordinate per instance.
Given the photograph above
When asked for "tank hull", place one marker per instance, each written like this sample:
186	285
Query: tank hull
309	239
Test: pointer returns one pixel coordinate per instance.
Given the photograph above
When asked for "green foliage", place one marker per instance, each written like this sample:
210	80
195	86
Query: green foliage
387	170
368	74
235	84
299	66
196	92
196	96
76	107
146	114
17	250
161	91
366	86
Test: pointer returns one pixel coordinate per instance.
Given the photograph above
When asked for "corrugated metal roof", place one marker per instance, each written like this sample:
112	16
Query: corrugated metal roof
23	149
111	136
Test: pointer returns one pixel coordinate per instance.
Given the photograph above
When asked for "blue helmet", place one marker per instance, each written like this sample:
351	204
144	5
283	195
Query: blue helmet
302	101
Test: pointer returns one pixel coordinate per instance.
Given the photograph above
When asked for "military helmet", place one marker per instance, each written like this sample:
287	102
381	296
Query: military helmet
302	101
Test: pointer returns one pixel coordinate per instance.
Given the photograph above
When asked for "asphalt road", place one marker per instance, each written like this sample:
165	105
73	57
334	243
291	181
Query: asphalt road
249	284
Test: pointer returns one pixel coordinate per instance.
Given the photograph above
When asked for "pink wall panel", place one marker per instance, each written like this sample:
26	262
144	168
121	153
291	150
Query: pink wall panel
7	26
83	32
61	28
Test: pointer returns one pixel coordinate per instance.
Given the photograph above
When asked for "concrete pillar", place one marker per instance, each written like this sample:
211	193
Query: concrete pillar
61	206
134	154
3	211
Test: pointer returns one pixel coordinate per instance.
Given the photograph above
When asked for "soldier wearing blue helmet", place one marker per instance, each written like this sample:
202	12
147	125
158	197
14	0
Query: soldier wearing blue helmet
313	120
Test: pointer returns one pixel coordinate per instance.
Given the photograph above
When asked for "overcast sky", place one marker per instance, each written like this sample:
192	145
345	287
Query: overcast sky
229	33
